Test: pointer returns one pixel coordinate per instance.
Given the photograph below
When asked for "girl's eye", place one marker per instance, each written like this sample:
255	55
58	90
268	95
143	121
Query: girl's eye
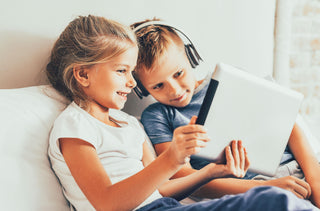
121	71
158	86
179	73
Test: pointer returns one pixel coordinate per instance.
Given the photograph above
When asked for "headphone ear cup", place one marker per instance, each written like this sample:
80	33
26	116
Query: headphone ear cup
192	55
140	90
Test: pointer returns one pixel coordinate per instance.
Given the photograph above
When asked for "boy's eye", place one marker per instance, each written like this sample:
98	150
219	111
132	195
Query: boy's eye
158	86
180	72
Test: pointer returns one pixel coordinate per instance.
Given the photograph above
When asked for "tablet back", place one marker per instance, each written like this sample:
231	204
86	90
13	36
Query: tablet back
245	107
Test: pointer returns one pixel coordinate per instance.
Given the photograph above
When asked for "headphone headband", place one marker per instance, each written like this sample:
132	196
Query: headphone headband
160	23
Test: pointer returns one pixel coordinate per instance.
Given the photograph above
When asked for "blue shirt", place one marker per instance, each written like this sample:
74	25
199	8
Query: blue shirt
161	120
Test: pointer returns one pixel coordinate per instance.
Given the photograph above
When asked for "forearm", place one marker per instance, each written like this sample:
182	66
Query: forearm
308	162
304	154
221	185
181	187
226	186
210	187
150	178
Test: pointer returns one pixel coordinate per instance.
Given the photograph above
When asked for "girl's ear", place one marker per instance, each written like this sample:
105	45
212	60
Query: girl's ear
81	75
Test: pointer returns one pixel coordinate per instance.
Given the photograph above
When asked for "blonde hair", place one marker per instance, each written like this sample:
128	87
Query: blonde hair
86	41
153	41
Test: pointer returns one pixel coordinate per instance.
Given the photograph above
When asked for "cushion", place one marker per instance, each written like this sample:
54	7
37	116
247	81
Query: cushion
27	181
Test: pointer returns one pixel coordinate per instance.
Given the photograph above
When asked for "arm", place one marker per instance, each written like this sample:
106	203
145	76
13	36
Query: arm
181	187
215	188
237	164
307	161
157	124
223	186
93	180
88	172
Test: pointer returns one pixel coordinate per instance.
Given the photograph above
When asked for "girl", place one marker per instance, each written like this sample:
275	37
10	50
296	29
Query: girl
100	154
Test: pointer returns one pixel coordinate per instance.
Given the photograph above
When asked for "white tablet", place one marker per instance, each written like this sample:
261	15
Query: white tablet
242	106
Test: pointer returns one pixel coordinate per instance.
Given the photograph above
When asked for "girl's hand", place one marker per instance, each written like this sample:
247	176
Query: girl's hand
237	159
187	140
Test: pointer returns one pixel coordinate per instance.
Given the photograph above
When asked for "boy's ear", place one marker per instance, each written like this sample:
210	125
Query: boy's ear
81	75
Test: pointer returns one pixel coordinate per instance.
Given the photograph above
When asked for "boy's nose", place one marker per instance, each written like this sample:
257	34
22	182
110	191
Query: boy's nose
173	88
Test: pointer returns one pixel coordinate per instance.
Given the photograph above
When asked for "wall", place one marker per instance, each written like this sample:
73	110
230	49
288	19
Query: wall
305	53
301	43
232	31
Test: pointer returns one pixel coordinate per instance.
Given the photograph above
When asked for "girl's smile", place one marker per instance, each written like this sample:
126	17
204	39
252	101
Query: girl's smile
111	82
123	95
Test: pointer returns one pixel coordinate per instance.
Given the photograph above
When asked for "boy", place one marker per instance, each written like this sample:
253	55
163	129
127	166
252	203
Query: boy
165	71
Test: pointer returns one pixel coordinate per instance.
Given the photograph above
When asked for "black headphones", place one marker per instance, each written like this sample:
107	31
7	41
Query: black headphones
191	52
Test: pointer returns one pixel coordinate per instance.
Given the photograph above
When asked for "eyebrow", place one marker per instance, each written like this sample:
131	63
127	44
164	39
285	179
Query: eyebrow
178	69
151	85
125	65
119	64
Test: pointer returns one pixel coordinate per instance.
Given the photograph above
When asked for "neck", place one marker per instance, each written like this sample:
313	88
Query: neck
99	112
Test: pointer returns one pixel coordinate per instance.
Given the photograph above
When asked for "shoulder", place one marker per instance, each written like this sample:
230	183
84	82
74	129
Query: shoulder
156	108
68	116
73	115
156	111
74	122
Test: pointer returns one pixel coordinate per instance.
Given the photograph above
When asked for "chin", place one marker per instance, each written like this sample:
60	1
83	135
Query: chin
117	107
181	105
185	103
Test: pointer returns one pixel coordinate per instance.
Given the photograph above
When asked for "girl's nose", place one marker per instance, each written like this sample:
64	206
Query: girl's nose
131	82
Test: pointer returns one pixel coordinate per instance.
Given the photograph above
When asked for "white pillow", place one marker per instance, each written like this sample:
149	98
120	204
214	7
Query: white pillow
26	179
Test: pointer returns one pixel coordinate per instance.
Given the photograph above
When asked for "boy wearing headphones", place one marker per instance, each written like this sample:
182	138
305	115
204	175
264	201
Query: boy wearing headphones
164	69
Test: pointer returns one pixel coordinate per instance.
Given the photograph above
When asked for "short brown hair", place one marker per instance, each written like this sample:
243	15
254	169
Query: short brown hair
153	40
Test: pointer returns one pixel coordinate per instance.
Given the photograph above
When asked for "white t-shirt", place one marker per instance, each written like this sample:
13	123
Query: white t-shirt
120	149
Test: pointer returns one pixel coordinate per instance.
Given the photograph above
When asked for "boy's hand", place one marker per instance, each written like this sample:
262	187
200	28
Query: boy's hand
297	186
237	159
237	162
187	140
